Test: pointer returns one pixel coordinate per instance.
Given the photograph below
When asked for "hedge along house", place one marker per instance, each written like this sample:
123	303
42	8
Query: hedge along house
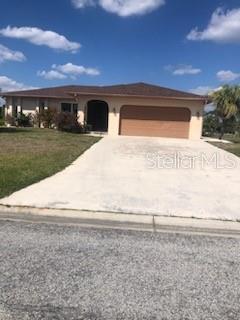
133	109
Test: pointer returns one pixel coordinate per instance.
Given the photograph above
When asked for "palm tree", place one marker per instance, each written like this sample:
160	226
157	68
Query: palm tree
227	102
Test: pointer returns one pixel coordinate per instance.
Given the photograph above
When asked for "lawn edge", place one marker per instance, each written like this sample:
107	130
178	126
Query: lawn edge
98	139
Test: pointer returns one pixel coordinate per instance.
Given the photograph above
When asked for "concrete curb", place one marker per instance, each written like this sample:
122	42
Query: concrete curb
121	220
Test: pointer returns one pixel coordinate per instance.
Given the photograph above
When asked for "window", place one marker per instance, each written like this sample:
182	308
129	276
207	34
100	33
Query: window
66	107
70	107
75	109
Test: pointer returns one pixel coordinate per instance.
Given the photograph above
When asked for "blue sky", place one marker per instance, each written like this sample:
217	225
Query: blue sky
110	41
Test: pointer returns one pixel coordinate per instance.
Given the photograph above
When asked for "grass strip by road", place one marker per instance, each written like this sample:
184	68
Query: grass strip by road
233	147
30	155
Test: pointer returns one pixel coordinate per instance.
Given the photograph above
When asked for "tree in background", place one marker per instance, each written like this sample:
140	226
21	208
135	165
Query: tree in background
210	124
227	102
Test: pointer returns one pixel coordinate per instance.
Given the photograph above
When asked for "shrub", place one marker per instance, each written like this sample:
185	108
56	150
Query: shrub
2	117
2	122
36	119
47	117
10	120
68	122
210	124
23	120
2	112
87	127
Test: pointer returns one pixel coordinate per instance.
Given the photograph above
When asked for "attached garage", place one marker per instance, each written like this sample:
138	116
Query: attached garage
171	122
135	109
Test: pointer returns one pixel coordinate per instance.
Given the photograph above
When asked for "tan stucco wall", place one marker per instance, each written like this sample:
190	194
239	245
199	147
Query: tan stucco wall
115	104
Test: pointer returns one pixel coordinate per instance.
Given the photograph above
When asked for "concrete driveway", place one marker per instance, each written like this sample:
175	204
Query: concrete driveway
144	176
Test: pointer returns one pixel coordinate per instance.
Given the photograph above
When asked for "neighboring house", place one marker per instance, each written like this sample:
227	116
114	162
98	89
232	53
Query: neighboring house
133	109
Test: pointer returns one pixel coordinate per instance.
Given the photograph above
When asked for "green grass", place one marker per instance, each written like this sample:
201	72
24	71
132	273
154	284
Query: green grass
234	147
30	155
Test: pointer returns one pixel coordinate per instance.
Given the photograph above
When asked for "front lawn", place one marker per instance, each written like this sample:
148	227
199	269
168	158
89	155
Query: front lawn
233	147
30	155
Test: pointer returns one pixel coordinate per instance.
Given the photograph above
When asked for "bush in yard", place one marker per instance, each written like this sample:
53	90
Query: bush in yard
36	119
87	127
210	124
10	120
47	117
2	117
66	121
2	112
23	120
231	126
2	122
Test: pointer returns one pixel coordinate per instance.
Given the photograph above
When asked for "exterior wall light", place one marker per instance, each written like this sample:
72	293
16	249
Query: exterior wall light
198	115
114	111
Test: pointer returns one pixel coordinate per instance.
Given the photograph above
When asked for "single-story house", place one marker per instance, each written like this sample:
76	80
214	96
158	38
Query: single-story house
137	109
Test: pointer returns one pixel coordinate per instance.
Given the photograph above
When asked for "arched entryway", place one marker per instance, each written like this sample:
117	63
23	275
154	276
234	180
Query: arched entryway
97	115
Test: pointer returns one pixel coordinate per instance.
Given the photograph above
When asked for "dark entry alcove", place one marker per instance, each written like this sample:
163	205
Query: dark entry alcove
97	115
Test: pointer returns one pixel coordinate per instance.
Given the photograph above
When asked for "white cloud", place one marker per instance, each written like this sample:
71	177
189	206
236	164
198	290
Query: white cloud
223	27
182	70
79	4
204	90
10	55
51	75
227	76
126	8
123	8
75	70
209	107
41	37
8	84
67	70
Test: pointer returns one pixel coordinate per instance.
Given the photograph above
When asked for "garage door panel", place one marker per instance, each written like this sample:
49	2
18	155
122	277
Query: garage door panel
155	113
155	122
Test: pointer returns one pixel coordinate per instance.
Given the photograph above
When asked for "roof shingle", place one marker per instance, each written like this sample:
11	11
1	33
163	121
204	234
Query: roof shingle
134	89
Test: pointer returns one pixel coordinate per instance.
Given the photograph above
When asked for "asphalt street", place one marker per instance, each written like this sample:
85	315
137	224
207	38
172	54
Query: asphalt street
53	271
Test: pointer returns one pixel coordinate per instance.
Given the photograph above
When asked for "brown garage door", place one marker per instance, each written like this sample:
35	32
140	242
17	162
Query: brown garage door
169	122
